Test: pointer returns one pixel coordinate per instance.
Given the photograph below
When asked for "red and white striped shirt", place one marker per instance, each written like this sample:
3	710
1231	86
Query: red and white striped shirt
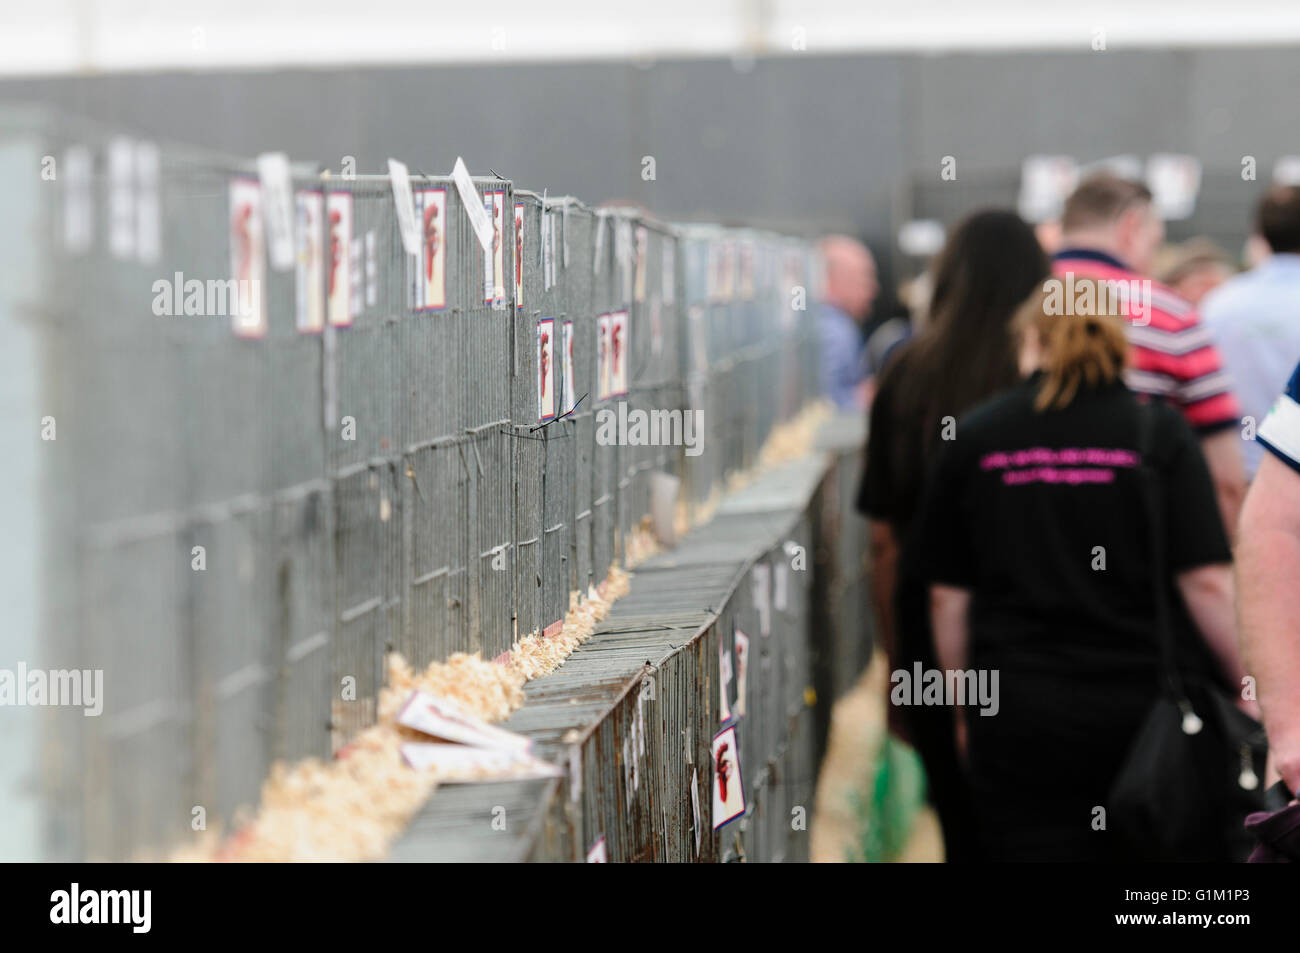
1172	351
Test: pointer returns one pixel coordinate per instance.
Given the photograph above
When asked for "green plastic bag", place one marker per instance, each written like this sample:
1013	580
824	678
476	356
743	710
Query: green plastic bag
887	812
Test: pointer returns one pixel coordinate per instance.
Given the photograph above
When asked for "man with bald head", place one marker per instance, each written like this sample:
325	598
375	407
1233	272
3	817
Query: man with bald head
849	291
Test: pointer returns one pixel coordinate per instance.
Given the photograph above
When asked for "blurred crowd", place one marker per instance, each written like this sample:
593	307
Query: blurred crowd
1082	475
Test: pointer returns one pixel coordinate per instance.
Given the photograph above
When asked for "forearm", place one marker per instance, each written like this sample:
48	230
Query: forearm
1208	594
1266	578
1222	452
949	608
884	577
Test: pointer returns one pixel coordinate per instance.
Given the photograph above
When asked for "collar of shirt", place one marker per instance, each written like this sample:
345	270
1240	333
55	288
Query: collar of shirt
1090	254
1281	261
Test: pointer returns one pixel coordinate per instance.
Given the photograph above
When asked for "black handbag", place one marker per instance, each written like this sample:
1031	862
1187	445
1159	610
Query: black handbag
1195	768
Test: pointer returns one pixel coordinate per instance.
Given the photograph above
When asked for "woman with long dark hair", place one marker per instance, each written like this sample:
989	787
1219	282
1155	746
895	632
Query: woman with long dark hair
990	264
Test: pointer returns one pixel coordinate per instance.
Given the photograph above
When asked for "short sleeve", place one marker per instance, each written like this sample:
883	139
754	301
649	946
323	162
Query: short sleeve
1203	388
1280	432
1193	527
944	542
877	496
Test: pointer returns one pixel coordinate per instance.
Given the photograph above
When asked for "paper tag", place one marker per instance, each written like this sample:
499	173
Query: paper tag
443	718
372	269
461	764
338	248
763	596
479	219
742	671
277	208
1174	181
121	197
404	203
1286	171
519	256
78	209
695	809
728	787
148	212
599	243
309	286
358	275
575	774
247	259
724	680
596	853
669	277
1045	183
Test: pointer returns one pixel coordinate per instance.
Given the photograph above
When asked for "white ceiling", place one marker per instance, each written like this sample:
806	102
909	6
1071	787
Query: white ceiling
83	36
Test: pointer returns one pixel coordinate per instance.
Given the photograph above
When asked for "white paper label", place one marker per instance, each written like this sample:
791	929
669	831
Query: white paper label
404	203
78	209
479	219
443	718
461	763
121	198
277	208
148	213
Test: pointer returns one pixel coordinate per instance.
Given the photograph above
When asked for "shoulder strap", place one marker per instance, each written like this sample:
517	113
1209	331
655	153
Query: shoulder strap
1170	675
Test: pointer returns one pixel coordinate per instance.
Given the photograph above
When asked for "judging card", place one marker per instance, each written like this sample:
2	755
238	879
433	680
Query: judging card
618	345
728	786
494	272
763	596
695	809
338	213
443	718
724	681
602	357
459	763
742	671
546	369
642	238
519	256
570	385
309	278
247	258
431	286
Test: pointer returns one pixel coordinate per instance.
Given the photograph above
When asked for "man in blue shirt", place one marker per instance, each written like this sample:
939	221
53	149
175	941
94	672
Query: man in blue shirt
1255	317
848	292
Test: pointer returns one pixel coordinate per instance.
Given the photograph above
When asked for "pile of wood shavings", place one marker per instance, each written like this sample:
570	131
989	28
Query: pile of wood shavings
353	807
536	655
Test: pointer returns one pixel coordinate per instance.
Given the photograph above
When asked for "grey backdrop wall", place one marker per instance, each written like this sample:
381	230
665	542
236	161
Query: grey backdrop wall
850	142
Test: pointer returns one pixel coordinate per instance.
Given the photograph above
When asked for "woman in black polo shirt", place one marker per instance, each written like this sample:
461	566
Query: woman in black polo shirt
1034	536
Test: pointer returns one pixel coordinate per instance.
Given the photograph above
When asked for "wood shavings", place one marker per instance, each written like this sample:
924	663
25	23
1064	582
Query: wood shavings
353	807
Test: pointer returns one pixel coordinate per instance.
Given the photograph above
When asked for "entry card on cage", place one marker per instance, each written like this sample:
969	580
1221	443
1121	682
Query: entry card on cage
460	764
443	718
479	218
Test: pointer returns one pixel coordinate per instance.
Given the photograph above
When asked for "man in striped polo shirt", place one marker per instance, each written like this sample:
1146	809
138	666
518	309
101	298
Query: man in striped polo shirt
1111	232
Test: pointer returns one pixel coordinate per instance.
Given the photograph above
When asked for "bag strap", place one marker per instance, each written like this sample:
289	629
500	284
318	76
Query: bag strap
1171	677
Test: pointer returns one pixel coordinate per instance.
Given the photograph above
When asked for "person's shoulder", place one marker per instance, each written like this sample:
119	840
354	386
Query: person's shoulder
1170	311
1225	301
995	413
